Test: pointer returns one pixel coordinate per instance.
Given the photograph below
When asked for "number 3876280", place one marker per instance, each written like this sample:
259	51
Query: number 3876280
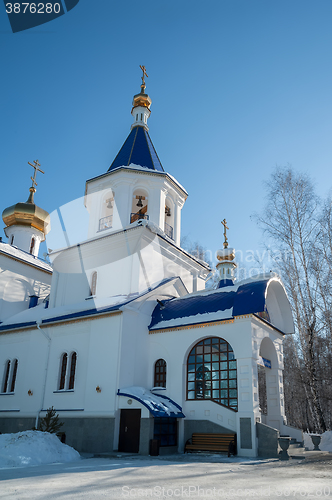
33	8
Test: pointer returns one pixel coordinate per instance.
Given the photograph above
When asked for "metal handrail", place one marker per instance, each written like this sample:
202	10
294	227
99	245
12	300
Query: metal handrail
137	216
105	223
168	231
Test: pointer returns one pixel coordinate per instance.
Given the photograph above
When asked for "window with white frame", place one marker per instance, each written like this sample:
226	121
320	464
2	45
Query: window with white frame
9	376
32	245
93	284
67	372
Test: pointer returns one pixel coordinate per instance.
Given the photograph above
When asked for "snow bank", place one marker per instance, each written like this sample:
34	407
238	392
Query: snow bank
33	448
325	444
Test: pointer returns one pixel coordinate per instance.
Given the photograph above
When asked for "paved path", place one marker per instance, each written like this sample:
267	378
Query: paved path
170	477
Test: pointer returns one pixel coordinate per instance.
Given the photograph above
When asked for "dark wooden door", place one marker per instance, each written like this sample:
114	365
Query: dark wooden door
130	422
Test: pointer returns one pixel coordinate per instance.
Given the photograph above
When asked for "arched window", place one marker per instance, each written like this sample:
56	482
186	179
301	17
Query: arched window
14	373
67	376
63	370
139	208
93	286
160	373
169	219
5	379
211	372
72	370
107	208
32	245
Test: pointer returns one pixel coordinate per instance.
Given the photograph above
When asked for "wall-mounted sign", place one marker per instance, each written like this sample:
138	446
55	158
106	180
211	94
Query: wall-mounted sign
264	362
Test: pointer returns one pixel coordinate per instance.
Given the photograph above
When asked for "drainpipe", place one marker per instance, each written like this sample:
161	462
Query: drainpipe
48	338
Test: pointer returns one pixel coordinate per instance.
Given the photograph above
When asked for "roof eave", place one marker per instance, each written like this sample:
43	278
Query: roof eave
143	172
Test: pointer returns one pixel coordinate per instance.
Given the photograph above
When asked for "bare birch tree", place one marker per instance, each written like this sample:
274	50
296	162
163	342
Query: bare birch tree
293	225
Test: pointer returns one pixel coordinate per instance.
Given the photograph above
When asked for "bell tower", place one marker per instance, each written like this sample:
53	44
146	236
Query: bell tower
136	187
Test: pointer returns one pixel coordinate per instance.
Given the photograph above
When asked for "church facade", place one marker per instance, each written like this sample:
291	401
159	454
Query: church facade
128	345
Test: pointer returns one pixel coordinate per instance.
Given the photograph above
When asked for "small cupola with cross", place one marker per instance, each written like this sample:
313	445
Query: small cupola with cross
26	223
226	264
141	105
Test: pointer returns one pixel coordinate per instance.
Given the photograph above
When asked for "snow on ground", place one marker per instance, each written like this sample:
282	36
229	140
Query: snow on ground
325	444
170	478
33	448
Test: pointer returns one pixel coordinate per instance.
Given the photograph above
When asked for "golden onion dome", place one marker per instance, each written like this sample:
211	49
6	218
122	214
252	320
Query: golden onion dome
226	254
142	100
27	214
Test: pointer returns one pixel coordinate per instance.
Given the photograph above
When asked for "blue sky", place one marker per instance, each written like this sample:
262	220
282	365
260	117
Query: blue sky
237	87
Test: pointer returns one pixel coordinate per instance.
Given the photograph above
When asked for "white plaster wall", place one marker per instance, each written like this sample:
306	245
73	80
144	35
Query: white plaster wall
17	282
268	343
23	236
97	346
117	351
126	262
174	347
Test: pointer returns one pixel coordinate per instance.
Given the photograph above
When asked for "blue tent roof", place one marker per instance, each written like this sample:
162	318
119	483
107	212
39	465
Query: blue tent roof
138	149
244	299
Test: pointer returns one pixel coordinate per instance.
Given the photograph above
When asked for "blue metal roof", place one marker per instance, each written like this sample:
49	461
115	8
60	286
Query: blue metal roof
85	312
137	149
244	299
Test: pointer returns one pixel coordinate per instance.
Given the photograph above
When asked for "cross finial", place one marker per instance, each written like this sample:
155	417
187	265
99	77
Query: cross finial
143	68
32	190
224	223
36	167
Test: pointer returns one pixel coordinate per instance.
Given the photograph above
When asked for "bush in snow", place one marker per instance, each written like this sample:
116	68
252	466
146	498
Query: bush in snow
50	423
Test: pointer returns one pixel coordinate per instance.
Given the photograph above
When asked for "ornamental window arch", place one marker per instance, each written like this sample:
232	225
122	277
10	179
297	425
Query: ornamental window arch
9	376
160	373
212	372
32	244
106	211
93	283
169	217
139	205
67	371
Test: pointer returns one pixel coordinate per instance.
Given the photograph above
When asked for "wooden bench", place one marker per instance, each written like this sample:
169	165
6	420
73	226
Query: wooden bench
225	443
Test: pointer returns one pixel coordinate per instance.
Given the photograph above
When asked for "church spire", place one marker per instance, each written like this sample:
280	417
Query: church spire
226	264
141	105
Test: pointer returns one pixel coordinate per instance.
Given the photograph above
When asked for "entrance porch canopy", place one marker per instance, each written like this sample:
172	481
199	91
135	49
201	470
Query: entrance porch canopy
157	404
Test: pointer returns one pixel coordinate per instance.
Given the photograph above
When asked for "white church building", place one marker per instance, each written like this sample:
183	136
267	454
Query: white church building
120	335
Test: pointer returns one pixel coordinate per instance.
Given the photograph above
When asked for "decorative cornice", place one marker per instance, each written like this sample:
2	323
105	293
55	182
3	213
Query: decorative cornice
191	326
17	259
60	322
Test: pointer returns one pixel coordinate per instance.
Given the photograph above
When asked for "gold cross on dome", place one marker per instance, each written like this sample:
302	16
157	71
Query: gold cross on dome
36	167
143	68
224	223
